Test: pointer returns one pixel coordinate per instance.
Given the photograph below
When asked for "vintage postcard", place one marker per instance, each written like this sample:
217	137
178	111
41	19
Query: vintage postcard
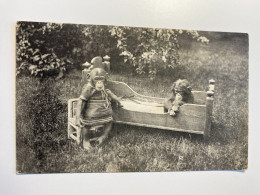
96	98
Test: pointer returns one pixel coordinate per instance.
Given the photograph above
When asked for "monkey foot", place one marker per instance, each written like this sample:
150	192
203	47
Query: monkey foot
86	145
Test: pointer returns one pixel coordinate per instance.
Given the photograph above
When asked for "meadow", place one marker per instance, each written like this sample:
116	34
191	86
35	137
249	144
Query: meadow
41	131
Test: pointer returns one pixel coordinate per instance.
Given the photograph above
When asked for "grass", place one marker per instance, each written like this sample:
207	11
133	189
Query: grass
131	148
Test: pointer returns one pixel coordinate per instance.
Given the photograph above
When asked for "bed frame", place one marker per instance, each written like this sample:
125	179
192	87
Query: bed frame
146	111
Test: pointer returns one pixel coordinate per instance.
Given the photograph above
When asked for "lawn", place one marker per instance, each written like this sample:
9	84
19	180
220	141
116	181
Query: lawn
41	133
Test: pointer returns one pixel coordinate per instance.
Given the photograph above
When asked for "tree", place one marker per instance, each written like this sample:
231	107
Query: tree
45	49
33	54
150	50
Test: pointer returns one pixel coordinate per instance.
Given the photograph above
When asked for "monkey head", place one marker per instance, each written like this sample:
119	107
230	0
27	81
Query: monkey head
181	87
98	78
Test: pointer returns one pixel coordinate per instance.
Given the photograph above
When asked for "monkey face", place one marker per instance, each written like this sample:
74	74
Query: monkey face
98	78
99	83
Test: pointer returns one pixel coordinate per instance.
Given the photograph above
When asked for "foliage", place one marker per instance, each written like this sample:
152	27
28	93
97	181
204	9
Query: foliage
45	49
35	50
49	48
98	42
150	50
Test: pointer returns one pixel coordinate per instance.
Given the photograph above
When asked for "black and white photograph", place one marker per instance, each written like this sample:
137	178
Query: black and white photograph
129	97
107	98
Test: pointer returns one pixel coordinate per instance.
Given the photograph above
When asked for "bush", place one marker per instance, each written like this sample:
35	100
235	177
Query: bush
151	51
34	55
45	49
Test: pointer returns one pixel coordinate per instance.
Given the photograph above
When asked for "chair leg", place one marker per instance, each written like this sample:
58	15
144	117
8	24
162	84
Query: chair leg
70	130
78	135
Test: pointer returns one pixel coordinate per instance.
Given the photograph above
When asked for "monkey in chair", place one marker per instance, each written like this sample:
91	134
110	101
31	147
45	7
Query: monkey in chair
94	107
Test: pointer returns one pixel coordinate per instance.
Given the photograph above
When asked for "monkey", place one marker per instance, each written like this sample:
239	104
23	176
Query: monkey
181	93
94	107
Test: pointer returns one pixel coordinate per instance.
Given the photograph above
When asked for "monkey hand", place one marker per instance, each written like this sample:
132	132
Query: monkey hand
119	105
175	108
172	113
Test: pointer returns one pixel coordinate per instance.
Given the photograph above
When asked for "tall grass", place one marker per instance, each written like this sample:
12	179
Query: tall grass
130	148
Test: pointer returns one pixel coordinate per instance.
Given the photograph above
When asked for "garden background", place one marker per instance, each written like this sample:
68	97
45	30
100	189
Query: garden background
49	58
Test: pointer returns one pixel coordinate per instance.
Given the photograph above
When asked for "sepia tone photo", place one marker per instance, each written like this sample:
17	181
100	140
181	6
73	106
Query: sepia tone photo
95	98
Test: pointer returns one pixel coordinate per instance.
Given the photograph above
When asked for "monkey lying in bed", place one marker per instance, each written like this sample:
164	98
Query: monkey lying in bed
94	107
181	93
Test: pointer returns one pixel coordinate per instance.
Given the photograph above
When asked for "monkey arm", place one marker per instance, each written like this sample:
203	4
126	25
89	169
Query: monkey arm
177	102
79	109
176	105
114	97
168	103
87	91
173	103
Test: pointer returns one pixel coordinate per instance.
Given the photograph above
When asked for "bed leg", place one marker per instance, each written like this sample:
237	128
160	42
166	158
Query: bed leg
209	108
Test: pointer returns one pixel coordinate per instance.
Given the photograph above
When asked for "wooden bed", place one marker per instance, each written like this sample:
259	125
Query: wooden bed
146	111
